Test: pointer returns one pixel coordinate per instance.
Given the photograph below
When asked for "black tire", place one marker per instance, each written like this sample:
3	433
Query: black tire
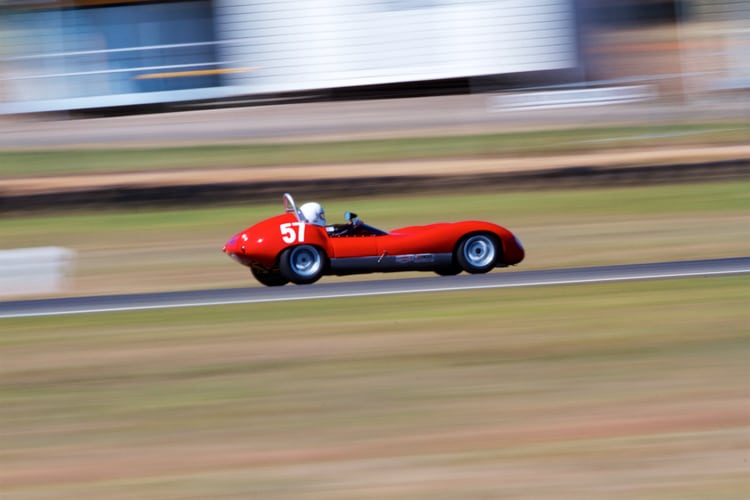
269	278
302	265
451	270
478	253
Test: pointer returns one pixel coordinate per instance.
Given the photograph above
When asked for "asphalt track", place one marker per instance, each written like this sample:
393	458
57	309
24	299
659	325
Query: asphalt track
323	290
342	120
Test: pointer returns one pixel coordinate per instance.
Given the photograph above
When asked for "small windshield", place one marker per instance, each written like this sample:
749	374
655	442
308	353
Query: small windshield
368	229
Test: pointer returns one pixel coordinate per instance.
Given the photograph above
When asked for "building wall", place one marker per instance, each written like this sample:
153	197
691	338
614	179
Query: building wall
103	55
305	44
59	57
718	41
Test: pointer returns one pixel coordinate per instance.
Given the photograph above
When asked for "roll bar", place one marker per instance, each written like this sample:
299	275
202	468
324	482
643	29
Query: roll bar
289	206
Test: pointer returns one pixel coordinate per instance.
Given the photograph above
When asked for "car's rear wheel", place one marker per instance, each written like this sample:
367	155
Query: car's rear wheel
302	264
478	253
269	278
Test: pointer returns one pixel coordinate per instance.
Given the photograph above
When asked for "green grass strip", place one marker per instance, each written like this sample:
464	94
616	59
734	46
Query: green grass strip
82	161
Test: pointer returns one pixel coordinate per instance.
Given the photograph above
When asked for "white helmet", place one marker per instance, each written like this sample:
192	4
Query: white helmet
313	213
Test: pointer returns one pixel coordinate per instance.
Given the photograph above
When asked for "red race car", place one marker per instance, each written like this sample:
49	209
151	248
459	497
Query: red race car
299	246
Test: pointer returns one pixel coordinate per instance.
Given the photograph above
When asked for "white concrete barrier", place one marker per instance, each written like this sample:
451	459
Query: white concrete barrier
571	98
35	271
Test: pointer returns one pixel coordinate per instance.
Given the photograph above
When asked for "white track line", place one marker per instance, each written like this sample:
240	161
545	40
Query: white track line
549	282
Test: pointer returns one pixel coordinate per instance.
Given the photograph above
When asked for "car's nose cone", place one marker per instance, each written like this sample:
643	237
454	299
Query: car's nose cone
232	245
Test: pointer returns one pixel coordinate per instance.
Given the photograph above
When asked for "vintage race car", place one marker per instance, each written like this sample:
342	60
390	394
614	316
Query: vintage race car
286	248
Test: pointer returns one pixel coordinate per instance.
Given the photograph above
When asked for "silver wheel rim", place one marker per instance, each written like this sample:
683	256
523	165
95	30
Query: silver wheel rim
305	261
479	251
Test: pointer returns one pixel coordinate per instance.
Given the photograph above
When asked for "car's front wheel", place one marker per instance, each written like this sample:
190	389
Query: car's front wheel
302	265
478	253
269	278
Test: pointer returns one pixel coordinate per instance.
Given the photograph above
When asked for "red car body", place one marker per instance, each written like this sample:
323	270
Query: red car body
285	248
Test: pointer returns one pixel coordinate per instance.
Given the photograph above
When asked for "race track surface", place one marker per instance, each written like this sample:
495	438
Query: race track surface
324	290
338	120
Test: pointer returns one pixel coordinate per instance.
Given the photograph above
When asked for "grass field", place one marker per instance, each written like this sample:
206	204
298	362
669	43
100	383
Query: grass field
579	140
634	390
620	390
148	250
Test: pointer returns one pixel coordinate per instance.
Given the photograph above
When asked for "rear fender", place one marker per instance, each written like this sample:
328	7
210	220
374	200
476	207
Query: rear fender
264	242
511	250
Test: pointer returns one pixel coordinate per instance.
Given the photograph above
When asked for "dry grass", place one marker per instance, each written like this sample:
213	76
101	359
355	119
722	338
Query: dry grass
612	391
634	390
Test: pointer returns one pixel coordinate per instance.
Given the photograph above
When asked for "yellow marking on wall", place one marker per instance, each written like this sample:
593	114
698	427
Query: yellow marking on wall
197	72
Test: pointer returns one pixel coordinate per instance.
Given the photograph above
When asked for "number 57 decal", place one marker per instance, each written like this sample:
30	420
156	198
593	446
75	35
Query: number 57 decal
290	235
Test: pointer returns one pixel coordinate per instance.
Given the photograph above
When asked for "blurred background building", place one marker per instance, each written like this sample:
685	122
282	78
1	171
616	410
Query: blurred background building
83	54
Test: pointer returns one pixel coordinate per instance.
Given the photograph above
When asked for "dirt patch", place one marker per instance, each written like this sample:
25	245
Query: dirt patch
264	184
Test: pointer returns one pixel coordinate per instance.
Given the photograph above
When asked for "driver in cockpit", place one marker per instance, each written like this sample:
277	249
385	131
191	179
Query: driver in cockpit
313	213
